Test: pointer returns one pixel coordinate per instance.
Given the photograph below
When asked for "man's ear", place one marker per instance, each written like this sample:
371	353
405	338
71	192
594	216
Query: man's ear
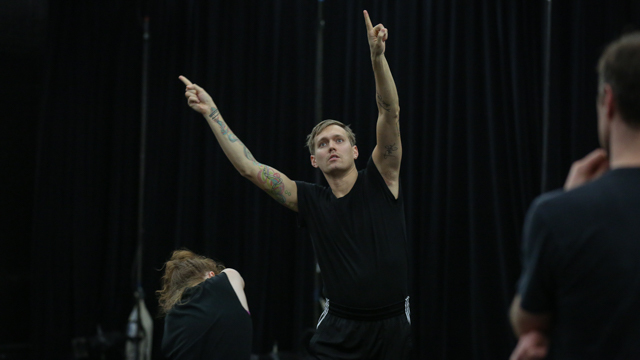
355	152
610	106
313	161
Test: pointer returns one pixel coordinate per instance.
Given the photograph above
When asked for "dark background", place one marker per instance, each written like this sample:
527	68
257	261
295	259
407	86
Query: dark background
481	134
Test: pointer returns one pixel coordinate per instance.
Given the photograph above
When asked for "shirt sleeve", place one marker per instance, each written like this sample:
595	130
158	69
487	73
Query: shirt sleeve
373	175
303	190
536	285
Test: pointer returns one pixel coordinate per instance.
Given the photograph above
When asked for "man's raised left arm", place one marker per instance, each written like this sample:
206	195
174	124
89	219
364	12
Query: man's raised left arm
387	154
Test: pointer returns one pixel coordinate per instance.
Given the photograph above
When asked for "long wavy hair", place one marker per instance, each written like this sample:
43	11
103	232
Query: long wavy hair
184	270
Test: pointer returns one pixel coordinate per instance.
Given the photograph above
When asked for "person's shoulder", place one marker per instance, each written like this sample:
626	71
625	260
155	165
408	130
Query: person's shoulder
305	184
579	199
231	272
311	186
547	197
312	190
591	191
234	276
371	170
544	203
370	165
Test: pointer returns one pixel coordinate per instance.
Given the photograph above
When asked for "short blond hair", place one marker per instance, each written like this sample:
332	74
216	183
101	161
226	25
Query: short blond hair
323	125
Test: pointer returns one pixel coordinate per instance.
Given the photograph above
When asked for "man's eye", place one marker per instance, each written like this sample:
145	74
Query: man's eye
339	140
321	144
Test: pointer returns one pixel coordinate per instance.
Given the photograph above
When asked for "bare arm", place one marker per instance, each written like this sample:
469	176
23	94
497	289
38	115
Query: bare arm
387	154
237	282
523	321
275	183
533	345
531	330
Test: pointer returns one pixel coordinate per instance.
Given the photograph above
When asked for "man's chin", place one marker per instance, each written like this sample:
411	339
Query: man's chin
333	168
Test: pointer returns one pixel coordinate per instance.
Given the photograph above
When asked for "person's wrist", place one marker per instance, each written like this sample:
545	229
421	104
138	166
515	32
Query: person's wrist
377	57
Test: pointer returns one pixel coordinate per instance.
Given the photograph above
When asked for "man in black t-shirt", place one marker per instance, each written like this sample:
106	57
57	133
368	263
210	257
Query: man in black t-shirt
356	224
579	293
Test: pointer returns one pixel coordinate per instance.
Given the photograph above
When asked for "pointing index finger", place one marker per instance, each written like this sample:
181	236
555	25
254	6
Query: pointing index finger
367	21
184	80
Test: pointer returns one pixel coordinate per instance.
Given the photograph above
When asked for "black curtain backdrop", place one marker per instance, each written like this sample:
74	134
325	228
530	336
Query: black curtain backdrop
470	80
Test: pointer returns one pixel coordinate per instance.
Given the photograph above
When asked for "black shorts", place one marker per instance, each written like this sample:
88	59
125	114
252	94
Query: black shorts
345	333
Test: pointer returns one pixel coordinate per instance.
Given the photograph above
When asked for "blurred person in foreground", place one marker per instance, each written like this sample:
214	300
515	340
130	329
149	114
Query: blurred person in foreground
579	293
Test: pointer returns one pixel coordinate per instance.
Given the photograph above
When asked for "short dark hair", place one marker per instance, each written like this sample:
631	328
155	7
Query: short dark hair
619	66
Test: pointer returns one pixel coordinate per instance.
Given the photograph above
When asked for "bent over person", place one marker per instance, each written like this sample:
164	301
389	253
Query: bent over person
356	224
207	316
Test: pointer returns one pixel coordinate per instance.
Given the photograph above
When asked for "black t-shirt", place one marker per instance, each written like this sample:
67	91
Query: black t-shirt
210	324
359	239
581	259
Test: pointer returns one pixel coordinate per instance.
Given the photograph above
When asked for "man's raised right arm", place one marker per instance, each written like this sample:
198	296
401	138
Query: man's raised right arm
275	183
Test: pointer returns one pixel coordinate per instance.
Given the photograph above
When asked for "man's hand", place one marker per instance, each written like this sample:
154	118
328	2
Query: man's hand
587	169
533	345
377	36
197	98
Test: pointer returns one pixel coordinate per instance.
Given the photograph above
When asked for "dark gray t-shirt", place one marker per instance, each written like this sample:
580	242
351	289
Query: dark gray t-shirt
581	263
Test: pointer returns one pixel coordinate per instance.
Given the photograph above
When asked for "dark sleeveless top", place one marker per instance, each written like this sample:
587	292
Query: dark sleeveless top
209	323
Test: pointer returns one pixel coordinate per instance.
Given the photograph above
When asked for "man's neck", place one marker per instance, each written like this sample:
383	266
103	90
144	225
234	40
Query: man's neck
342	183
624	146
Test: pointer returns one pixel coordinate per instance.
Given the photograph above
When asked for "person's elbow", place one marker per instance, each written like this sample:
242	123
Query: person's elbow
517	324
247	171
523	321
391	114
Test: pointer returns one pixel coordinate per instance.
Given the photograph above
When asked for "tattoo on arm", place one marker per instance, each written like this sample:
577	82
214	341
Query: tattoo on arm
215	116
383	104
389	149
249	156
272	183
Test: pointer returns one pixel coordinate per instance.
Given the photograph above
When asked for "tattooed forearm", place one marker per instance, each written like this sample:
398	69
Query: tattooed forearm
272	183
382	103
215	116
249	156
389	150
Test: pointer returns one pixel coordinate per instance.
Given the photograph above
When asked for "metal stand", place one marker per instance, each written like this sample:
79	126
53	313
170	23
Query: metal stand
140	326
318	118
546	98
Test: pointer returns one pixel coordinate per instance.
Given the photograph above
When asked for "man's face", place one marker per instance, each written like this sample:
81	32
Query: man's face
333	150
